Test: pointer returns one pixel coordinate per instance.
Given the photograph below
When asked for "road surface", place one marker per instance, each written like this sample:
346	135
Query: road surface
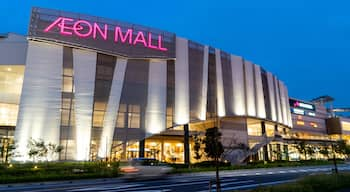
193	182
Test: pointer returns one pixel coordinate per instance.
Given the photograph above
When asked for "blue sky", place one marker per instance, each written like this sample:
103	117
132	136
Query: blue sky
305	43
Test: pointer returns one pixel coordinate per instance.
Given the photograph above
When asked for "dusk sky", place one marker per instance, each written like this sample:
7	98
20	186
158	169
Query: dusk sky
306	43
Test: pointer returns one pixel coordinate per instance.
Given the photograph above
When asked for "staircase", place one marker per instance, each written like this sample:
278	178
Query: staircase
238	155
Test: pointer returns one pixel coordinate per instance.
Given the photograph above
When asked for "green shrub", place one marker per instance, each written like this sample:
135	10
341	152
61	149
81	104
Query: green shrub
57	171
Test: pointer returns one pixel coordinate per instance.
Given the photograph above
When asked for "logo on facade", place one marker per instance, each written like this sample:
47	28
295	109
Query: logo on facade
100	34
86	29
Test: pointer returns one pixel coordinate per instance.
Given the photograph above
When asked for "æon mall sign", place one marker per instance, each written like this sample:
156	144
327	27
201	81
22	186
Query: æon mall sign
101	34
69	26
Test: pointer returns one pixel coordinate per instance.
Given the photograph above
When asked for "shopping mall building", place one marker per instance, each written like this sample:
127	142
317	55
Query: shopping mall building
103	88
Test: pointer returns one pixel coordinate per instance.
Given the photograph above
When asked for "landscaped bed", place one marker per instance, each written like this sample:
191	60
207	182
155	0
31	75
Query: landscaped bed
314	183
29	172
52	171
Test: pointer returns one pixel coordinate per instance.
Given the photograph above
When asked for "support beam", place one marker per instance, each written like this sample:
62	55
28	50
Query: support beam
265	151
186	145
142	148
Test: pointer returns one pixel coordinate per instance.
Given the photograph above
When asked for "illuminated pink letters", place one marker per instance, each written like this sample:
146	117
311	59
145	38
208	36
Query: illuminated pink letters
118	33
140	39
150	42
102	33
160	44
79	27
86	29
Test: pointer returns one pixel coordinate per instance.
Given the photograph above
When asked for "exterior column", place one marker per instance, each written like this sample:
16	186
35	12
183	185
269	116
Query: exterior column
162	158
124	151
186	145
263	128
265	151
142	148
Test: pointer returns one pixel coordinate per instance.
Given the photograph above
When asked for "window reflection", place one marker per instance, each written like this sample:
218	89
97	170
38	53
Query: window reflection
254	130
8	114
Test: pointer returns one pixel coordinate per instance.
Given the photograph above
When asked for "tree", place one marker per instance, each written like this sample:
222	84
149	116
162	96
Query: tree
7	150
54	149
42	149
278	154
197	146
38	149
342	148
301	147
10	151
310	150
214	149
33	150
2	151
325	151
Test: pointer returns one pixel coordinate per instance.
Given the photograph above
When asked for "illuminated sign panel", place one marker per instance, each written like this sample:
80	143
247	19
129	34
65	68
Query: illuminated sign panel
298	111
345	125
299	104
100	34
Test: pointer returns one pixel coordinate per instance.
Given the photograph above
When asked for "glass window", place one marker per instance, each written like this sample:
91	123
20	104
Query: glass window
66	103
270	130
134	120
65	117
100	105
8	114
134	108
120	120
345	125
98	118
67	84
122	108
67	71
11	80
254	130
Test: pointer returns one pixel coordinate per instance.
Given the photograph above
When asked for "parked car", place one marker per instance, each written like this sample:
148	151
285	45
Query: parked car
141	168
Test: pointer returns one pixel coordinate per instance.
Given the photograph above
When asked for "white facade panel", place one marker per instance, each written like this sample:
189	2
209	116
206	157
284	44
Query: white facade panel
249	87
182	100
272	96
259	94
112	108
278	101
39	111
238	85
289	115
219	85
156	99
204	94
84	65
283	103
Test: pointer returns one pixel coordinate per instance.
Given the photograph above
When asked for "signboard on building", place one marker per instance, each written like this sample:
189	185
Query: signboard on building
301	105
104	35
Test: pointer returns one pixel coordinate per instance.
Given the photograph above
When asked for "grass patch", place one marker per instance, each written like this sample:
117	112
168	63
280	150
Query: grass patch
30	172
315	183
210	166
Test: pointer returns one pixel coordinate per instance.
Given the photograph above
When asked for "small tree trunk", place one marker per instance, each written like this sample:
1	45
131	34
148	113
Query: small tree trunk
7	154
218	187
2	152
335	164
